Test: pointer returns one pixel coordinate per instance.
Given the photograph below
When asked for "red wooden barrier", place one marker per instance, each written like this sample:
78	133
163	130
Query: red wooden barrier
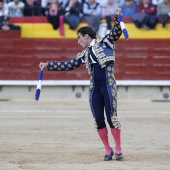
136	59
42	19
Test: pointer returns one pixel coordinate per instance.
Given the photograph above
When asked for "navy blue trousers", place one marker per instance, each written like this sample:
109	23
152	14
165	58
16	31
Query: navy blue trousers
103	96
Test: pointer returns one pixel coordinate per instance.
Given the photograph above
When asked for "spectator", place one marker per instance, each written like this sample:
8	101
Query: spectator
163	11
55	11
73	13
92	12
146	15
16	8
128	8
3	8
32	8
6	25
108	12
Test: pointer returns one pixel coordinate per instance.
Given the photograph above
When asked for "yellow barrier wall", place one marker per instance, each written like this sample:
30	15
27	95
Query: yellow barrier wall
45	30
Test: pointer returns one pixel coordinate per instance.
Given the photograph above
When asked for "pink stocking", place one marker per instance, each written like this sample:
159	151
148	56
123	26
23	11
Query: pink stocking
103	133
116	135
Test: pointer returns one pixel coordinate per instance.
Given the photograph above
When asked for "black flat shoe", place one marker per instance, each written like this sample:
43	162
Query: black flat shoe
109	157
119	156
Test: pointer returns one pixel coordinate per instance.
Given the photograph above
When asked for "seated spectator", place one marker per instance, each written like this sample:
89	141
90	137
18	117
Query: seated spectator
6	25
108	12
146	15
163	11
128	8
3	8
54	13
73	13
92	13
32	8
16	8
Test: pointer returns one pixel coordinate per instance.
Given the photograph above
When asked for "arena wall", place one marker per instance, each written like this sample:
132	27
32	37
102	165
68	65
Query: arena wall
142	62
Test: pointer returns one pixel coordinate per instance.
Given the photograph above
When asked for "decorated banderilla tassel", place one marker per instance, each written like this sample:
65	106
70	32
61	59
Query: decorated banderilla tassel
39	84
124	30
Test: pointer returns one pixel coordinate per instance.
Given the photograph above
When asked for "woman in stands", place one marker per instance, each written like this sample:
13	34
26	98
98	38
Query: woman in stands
54	12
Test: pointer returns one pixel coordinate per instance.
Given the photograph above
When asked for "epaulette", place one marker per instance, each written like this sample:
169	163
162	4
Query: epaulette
80	55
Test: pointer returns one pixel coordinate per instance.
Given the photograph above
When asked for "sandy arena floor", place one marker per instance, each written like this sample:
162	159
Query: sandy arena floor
59	135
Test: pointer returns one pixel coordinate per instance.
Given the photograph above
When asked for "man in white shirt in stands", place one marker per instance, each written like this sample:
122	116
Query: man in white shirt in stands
92	13
16	8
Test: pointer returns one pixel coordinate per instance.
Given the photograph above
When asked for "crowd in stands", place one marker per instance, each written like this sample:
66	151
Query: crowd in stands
144	13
